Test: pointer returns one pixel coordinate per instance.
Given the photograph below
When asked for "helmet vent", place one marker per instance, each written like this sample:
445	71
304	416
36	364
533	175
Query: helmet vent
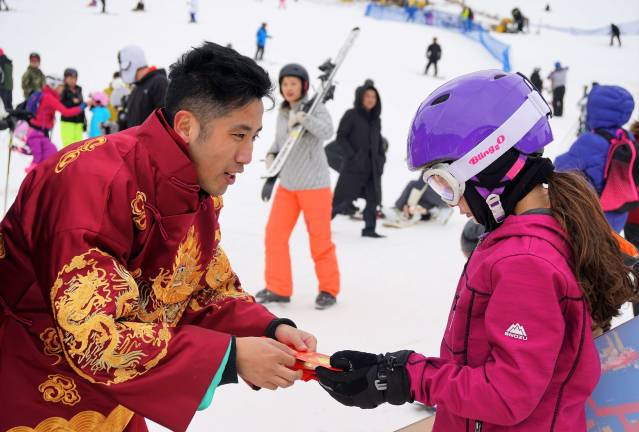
496	77
440	99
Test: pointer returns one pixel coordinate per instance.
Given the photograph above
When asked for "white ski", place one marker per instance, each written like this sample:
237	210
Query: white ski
324	94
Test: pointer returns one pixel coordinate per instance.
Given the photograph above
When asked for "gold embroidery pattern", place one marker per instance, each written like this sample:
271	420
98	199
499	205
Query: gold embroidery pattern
72	155
222	283
139	214
84	421
176	286
59	388
98	345
52	345
135	274
3	251
218	202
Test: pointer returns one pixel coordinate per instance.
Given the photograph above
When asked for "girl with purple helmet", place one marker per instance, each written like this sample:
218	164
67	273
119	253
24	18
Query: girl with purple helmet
517	353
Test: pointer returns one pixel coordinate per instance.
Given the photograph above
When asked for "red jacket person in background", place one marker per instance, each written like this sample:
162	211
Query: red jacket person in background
117	299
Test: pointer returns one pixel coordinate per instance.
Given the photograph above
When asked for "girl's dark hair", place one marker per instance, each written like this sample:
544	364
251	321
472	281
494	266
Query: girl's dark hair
598	261
212	80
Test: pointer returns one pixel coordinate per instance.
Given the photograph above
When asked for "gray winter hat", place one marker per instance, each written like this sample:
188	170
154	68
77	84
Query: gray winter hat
131	58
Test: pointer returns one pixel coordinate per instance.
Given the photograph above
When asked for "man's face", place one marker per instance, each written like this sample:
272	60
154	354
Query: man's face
71	80
220	150
34	62
369	100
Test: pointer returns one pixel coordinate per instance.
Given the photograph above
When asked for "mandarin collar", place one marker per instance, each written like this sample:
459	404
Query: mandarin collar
168	151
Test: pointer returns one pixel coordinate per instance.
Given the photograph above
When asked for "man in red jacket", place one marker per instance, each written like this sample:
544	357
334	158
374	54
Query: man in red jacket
117	301
38	137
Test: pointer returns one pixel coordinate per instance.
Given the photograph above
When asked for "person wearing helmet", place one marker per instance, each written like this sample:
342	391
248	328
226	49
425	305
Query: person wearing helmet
33	79
517	353
38	138
149	85
305	186
100	114
72	128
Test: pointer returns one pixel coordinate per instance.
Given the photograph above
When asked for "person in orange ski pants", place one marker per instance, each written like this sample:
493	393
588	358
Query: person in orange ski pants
304	188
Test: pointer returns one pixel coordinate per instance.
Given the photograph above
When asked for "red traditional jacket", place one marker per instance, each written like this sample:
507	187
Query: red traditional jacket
117	297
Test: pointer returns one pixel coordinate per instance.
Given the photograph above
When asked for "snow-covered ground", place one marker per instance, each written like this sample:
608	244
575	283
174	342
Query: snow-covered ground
396	291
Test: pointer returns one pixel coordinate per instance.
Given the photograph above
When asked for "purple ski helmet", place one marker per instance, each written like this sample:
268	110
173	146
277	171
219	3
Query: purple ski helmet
457	116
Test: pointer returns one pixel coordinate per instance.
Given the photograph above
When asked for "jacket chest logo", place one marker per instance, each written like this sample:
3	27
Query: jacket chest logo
516	331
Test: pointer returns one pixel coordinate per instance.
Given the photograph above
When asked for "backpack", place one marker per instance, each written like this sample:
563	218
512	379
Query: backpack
33	103
621	173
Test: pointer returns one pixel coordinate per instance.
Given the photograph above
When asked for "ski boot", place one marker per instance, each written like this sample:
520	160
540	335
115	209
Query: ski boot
324	300
266	296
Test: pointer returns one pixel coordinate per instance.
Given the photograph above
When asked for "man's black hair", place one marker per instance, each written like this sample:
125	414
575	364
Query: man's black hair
212	80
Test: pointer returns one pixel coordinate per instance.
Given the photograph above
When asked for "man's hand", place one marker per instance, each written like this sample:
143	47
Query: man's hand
298	339
265	362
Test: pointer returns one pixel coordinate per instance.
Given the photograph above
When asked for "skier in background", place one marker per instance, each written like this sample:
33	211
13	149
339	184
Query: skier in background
72	127
529	294
6	80
149	84
38	137
558	85
433	54
305	187
536	80
608	109
33	79
615	33
359	136
98	103
194	6
261	36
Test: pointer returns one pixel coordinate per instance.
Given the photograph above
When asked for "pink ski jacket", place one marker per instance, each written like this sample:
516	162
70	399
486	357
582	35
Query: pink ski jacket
517	353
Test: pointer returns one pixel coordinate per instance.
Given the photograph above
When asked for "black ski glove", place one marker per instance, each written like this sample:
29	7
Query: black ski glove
368	380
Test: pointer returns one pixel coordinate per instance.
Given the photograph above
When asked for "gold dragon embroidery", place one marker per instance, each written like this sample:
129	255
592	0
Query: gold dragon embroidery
177	285
93	339
221	281
58	388
72	155
139	213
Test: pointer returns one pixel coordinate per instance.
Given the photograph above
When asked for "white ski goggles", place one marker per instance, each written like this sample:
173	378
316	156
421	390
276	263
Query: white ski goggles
448	180
444	184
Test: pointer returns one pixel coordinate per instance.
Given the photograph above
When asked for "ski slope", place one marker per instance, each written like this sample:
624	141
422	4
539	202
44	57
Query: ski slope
396	291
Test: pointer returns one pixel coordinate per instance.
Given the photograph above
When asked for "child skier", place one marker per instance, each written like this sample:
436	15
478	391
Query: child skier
608	108
517	353
72	127
98	101
41	125
304	187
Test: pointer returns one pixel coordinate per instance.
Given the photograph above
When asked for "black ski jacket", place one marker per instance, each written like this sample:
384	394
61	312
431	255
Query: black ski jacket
147	95
67	97
434	52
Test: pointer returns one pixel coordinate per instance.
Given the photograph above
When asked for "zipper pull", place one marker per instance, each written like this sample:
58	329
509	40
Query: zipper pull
478	426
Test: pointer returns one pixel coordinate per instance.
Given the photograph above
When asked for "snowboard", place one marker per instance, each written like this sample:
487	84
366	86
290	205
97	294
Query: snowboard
614	404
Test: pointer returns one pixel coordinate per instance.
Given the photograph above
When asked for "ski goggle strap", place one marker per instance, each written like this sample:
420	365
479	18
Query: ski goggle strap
502	139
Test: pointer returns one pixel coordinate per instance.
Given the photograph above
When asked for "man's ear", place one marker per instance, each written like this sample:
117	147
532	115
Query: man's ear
186	126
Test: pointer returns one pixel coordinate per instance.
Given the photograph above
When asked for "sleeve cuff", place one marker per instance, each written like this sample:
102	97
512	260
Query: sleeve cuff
229	376
270	330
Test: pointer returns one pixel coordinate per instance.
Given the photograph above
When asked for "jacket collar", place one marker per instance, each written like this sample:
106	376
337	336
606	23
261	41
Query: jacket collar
167	150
